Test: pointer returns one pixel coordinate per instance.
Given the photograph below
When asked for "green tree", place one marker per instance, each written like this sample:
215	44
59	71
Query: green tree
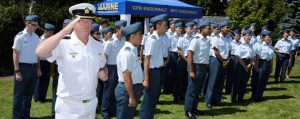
263	12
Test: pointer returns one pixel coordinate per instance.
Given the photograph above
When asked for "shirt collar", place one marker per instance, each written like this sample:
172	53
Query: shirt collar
74	39
128	44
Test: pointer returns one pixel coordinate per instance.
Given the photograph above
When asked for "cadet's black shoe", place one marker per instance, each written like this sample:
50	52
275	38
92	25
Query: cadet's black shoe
198	112
176	100
190	115
209	106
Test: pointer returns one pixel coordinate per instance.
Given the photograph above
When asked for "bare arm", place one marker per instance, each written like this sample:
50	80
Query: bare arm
129	88
146	71
45	48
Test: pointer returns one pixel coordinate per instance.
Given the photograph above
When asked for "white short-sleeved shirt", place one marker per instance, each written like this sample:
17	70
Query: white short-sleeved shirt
166	44
252	41
78	65
245	50
184	43
265	51
144	40
284	46
174	41
112	48
295	42
128	59
26	44
154	49
233	46
221	44
200	48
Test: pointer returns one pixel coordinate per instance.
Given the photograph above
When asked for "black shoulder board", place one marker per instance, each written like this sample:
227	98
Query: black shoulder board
127	48
67	37
20	33
153	37
197	37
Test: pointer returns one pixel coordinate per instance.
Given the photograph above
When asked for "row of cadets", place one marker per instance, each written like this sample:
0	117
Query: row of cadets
111	49
175	83
245	56
219	60
296	43
129	88
43	81
283	49
182	47
152	66
264	60
198	60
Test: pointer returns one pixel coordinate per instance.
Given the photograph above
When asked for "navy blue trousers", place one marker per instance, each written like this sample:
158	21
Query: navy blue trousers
109	101
293	56
262	80
122	97
180	85
195	87
42	82
171	73
216	82
54	87
150	95
23	90
240	82
282	62
231	74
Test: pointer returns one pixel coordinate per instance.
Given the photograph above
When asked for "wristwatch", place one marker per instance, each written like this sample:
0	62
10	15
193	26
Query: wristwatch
17	71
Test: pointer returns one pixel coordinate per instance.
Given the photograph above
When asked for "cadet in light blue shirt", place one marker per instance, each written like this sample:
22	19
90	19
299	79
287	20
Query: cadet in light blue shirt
245	55
43	81
219	60
283	49
130	73
26	65
152	66
111	49
143	43
172	84
171	30
182	46
198	59
232	63
265	53
296	44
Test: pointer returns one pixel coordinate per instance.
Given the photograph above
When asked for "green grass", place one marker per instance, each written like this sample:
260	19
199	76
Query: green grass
281	101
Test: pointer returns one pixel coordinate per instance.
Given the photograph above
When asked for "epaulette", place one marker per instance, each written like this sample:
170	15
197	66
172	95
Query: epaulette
67	37
153	37
20	33
197	37
127	49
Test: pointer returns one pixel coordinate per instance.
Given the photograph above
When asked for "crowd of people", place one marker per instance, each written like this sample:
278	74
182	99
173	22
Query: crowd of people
95	65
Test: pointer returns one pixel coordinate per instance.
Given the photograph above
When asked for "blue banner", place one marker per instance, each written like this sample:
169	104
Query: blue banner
173	8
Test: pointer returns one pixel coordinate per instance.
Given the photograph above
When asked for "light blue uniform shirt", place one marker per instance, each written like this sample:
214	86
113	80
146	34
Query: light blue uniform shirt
233	45
144	40
154	48
284	46
295	42
265	51
26	44
112	48
166	44
184	43
174	41
221	44
128	59
245	50
200	48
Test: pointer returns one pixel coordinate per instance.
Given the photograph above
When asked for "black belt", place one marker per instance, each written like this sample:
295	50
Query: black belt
201	64
284	53
159	68
264	60
29	64
132	84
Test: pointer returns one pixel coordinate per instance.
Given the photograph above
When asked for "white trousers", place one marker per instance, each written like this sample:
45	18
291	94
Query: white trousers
74	109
